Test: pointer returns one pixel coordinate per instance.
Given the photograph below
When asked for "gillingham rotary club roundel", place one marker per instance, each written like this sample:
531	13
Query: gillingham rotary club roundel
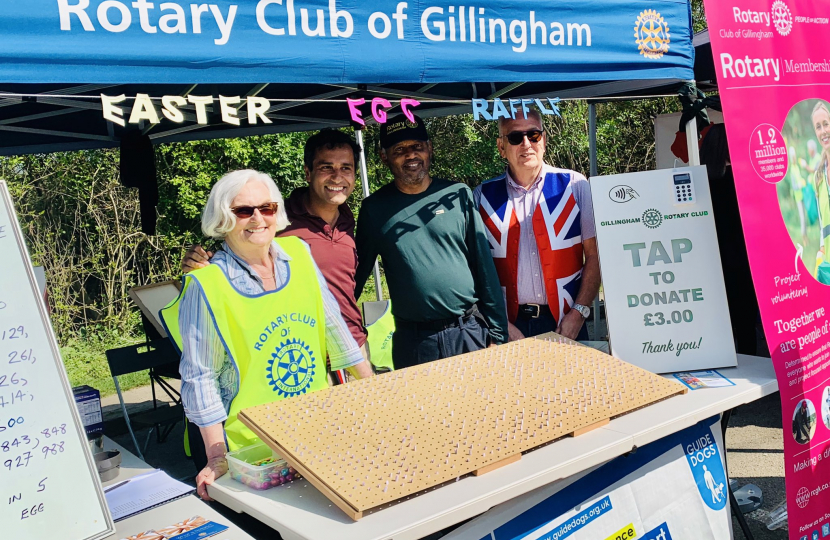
290	370
652	34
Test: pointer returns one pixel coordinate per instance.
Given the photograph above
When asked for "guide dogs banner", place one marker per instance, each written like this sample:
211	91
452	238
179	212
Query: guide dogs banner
671	489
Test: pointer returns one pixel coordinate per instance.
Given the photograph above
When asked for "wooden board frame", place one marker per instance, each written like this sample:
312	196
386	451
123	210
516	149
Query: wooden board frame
152	316
474	412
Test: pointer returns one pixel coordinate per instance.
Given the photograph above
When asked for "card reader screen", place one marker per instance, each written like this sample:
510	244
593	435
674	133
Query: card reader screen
682	179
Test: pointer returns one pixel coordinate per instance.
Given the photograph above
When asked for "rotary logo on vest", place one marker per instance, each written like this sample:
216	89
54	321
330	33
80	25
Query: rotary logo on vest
290	370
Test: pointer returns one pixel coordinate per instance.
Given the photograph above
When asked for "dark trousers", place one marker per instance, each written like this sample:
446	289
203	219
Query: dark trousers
544	323
414	343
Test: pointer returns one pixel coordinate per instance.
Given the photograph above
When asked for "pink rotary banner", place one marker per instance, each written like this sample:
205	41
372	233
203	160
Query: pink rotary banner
774	81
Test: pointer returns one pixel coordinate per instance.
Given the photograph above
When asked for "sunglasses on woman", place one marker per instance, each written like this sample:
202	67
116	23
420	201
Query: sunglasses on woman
267	209
517	137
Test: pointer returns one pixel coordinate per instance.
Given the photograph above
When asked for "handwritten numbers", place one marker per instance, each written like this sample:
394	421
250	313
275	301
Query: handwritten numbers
18	357
49	432
52	449
10	423
14	380
18	332
21	461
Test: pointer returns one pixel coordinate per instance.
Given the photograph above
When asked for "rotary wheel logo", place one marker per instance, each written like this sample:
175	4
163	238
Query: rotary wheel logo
802	497
652	34
782	19
652	218
291	368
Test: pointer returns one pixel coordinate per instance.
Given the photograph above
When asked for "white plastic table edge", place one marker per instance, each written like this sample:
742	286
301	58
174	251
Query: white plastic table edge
754	378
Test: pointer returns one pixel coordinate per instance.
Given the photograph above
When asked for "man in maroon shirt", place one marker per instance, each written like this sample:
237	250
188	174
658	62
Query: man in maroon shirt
320	216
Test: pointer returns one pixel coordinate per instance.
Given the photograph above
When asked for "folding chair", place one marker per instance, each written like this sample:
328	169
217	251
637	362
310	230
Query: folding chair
146	356
150	299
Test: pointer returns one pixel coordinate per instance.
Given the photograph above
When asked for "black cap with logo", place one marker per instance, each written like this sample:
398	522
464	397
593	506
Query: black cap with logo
400	128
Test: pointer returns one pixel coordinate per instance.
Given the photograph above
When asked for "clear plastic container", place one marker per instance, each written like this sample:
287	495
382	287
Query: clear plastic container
246	466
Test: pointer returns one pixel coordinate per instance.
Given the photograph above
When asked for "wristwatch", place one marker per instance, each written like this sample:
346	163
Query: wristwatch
585	311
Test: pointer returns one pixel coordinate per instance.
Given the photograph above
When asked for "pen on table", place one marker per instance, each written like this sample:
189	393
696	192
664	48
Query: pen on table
115	486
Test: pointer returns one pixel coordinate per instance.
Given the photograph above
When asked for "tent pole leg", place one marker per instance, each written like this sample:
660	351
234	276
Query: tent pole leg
364	181
592	150
691	142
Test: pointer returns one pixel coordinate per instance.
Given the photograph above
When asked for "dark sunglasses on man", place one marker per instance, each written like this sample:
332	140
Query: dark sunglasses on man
517	137
267	209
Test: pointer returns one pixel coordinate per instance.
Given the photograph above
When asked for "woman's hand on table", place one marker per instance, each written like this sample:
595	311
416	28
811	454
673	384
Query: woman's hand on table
214	439
215	468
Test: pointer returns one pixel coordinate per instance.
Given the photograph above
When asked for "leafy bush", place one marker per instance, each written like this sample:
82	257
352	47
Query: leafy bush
84	227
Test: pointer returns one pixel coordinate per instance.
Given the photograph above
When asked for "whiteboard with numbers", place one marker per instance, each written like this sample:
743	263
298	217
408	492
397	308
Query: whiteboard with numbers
49	486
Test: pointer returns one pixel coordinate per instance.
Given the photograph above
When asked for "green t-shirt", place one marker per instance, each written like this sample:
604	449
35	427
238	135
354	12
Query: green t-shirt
435	254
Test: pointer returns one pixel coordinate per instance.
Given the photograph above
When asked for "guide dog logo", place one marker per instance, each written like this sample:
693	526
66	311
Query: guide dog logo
290	370
707	468
652	34
622	194
781	17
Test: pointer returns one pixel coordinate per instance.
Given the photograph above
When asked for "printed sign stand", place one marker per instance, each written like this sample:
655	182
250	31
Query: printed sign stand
661	271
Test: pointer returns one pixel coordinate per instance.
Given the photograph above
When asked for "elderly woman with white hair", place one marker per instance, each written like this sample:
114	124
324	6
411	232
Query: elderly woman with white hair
255	325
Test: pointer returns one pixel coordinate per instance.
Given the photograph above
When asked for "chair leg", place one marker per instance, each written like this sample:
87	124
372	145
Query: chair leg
149	434
153	388
127	418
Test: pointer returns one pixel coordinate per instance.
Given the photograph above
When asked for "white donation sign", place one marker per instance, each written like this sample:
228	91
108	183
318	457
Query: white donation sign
49	486
661	270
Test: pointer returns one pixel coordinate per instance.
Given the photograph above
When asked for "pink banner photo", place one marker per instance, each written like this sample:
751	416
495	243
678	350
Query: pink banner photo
774	81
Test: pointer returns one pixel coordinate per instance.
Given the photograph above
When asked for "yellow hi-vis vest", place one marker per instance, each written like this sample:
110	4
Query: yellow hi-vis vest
380	340
275	340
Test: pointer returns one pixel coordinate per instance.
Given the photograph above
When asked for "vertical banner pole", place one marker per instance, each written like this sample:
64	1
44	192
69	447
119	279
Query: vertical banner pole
592	150
364	181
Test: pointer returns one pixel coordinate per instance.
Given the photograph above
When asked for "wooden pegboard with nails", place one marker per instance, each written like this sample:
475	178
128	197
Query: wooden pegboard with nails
378	440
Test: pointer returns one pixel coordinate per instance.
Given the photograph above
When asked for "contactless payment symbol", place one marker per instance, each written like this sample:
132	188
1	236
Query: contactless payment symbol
290	370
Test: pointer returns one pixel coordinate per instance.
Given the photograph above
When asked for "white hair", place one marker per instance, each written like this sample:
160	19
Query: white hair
531	113
217	218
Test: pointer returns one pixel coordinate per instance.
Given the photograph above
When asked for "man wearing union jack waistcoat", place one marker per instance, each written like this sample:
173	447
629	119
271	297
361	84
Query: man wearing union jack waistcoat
540	224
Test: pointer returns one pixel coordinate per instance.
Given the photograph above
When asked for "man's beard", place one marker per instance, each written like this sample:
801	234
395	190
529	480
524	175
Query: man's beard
413	178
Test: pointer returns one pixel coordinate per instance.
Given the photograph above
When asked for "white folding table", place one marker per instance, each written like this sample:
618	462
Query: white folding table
300	512
166	514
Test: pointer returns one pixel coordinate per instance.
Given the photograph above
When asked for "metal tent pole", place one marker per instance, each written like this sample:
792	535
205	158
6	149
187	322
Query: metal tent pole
364	181
592	150
691	142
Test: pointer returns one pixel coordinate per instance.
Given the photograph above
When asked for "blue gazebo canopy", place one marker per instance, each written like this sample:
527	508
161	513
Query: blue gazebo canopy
58	56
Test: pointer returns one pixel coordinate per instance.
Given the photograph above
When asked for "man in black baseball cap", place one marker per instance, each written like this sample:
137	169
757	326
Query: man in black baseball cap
446	297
